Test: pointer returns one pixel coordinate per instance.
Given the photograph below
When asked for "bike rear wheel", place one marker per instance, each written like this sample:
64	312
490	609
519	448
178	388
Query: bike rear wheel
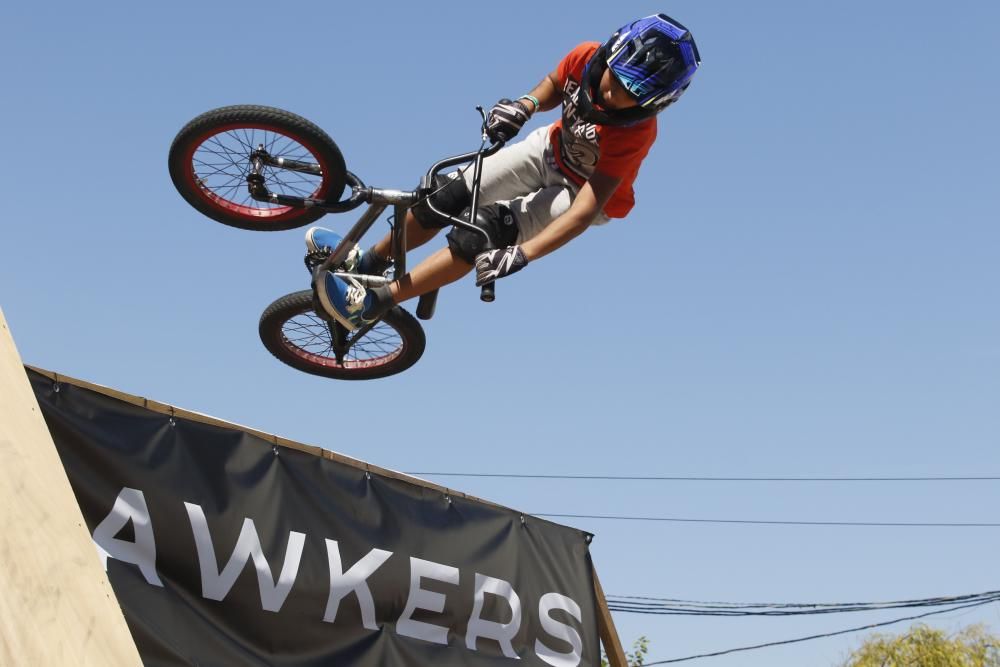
211	157
292	331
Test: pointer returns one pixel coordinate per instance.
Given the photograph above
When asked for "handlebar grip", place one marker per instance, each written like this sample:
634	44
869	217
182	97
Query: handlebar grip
488	294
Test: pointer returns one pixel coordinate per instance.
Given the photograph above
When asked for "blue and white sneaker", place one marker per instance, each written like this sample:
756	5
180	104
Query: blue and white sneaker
320	238
343	300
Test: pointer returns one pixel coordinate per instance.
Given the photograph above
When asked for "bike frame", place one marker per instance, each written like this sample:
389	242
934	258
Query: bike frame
378	199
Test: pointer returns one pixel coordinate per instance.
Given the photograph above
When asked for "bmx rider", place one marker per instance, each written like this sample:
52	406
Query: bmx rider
537	194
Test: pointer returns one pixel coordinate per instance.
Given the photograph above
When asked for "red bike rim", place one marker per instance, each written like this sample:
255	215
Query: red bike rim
238	208
350	363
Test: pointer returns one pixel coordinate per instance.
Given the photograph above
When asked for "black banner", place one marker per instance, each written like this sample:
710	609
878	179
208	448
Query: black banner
225	549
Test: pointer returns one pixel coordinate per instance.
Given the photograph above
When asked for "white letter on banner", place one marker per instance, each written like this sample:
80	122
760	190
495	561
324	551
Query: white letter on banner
354	580
427	600
215	586
502	632
130	505
559	630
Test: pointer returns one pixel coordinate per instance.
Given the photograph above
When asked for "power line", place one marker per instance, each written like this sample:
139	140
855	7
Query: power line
762	522
692	478
822	636
675	607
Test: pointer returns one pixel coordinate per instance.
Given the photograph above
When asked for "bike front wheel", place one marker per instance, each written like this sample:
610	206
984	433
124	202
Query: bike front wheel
293	332
211	158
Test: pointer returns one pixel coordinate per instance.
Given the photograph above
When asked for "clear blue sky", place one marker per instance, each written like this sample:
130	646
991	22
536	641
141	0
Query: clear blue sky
808	284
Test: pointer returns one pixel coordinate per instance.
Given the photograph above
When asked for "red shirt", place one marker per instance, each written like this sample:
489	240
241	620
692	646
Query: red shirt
583	148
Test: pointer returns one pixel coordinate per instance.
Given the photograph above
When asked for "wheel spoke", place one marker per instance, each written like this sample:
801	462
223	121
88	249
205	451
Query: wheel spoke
307	335
225	152
249	139
287	185
291	149
222	163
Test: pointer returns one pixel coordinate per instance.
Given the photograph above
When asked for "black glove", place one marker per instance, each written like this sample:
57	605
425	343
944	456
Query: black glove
506	119
494	264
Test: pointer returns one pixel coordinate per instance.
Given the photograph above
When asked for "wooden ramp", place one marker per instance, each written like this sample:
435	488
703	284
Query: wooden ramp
56	605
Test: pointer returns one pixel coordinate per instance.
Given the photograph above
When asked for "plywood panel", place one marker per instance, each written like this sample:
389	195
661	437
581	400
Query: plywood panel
56	605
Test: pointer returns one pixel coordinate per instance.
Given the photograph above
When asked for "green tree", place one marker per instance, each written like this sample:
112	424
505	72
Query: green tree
922	646
637	657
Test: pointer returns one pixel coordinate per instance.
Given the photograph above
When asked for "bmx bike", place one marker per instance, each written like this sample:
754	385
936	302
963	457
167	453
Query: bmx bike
265	169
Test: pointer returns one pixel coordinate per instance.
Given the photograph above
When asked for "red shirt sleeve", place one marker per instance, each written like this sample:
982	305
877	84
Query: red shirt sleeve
575	61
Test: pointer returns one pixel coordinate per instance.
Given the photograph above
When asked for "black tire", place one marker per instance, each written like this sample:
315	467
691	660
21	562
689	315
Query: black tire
209	160
292	331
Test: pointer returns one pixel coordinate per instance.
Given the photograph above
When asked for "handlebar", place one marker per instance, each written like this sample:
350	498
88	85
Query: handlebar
360	194
488	292
428	180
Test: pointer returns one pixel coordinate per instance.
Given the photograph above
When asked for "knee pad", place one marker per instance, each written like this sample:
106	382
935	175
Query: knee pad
496	219
450	196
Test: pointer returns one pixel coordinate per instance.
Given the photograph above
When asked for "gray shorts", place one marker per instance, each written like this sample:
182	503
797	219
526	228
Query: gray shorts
524	177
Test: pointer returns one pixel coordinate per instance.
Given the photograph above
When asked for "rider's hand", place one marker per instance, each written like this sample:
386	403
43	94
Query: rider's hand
506	119
494	264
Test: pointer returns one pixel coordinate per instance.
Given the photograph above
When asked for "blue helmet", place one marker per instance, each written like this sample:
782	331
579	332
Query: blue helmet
653	58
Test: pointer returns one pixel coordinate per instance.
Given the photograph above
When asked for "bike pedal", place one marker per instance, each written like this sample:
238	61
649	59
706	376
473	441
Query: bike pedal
315	258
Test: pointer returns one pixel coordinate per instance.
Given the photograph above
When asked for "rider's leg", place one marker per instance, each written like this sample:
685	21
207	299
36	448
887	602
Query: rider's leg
441	268
530	214
517	169
416	236
451	196
525	167
448	264
511	173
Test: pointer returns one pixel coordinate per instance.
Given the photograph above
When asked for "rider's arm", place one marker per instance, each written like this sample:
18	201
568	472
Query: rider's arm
547	92
589	202
507	117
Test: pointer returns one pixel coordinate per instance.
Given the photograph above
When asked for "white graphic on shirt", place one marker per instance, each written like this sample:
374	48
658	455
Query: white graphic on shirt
580	141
